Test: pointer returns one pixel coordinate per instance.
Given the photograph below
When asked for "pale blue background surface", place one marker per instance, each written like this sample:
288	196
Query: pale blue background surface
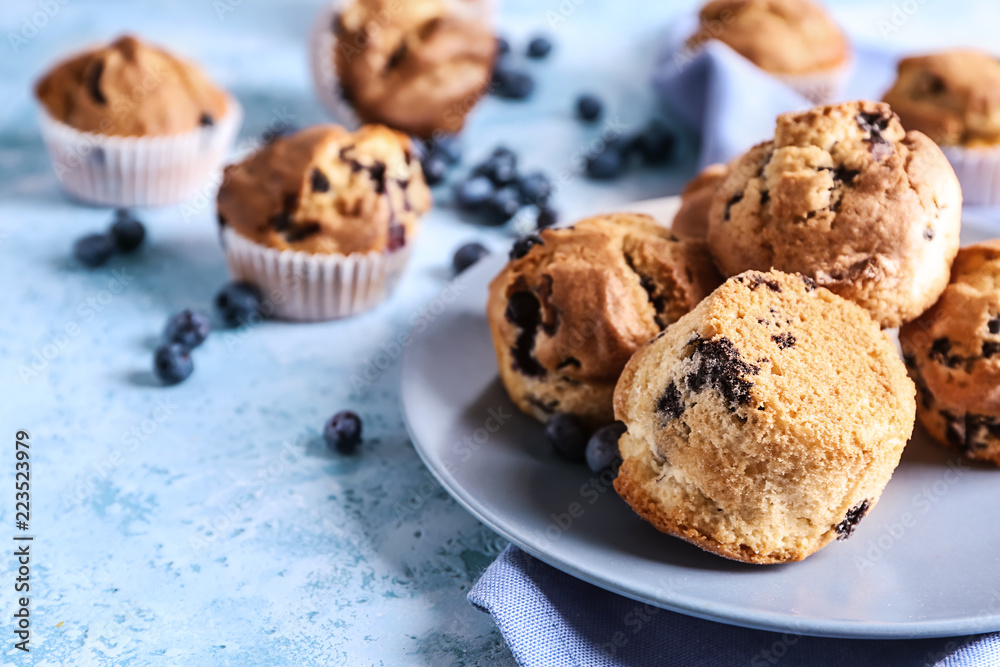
224	533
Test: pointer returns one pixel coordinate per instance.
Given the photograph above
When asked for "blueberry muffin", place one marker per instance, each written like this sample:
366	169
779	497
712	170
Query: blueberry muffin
573	304
130	89
418	66
322	215
765	423
953	354
793	39
846	196
691	219
954	98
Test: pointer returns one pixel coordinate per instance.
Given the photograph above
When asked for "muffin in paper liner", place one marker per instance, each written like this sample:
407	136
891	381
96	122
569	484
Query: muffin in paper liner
309	287
978	171
329	88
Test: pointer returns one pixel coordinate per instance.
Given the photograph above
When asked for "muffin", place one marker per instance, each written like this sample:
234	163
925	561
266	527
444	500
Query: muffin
323	220
573	304
847	197
691	219
954	98
129	124
953	354
794	40
418	67
765	423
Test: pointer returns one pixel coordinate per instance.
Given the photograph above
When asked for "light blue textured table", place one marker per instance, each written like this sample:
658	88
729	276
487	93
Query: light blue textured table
206	524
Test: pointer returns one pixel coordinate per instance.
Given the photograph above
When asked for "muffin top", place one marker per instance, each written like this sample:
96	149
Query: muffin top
952	96
956	344
691	219
846	196
130	89
780	36
417	66
326	190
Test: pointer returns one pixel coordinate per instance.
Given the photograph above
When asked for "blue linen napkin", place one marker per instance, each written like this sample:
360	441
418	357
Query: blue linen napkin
550	619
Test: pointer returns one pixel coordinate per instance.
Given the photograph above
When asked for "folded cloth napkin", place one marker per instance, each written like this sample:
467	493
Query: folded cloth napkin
550	619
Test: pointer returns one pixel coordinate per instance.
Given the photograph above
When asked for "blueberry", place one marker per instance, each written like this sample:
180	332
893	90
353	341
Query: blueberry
589	107
238	303
655	144
608	164
535	189
547	216
503	46
448	148
523	245
94	249
343	432
539	47
500	167
503	206
127	232
467	255
172	363
567	436
602	448
510	83
472	194
434	169
188	328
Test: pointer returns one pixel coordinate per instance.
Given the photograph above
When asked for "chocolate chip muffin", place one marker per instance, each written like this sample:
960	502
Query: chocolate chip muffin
325	190
793	39
691	219
347	207
573	304
953	354
419	67
765	423
131	89
846	196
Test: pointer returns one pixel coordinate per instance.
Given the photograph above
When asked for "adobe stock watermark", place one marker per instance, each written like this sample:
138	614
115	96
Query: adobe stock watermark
86	312
899	15
562	12
33	23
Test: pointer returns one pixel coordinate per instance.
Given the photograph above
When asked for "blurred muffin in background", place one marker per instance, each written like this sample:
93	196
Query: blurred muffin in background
954	98
418	66
795	40
129	124
691	220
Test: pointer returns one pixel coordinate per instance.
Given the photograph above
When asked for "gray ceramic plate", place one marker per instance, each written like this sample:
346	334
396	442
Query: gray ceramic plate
924	563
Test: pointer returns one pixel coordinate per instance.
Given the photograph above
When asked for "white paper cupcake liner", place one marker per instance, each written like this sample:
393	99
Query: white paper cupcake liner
310	288
818	87
978	171
138	171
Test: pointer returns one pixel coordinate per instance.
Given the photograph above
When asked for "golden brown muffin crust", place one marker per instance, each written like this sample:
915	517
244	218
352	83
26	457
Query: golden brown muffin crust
418	66
691	220
951	96
130	89
326	190
780	36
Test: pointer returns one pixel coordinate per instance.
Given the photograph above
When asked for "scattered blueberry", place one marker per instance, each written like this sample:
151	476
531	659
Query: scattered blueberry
535	189
343	432
503	206
539	47
448	148
473	193
467	255
589	107
602	448
94	249
510	83
547	216
608	164
503	46
188	328
523	245
500	167
238	303
172	363
567	436
434	168
127	232
655	144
